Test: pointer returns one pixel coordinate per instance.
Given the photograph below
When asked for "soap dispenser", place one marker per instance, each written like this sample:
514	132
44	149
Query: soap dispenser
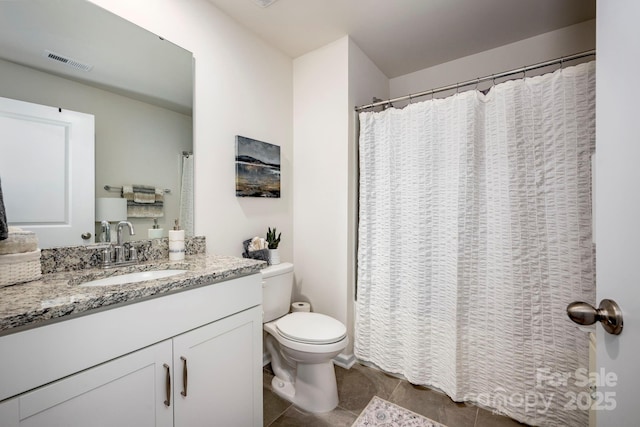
155	232
176	243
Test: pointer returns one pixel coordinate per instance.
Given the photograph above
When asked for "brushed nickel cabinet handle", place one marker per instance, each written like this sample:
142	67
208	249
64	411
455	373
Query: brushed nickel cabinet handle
168	386
184	376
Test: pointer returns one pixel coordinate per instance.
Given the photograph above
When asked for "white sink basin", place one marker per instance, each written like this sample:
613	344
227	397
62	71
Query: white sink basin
140	276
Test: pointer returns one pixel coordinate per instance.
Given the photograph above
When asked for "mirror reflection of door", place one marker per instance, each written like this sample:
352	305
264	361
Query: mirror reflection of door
47	171
138	85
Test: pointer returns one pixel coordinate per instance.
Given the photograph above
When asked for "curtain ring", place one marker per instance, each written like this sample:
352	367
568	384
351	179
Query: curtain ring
432	94
493	78
524	73
457	87
561	63
477	83
410	99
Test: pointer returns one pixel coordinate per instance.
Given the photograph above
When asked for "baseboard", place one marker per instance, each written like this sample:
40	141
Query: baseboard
345	361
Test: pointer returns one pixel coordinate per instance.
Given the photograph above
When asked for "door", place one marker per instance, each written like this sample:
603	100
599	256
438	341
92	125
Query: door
617	208
128	391
47	171
218	370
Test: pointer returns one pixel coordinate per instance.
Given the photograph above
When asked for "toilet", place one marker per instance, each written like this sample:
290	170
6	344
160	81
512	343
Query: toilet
301	345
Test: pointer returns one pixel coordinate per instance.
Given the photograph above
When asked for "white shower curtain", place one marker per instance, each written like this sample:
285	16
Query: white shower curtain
475	233
186	195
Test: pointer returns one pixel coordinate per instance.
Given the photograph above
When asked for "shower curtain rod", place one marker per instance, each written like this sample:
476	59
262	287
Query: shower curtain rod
480	80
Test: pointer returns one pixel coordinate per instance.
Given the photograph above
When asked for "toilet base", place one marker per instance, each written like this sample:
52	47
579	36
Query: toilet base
315	389
283	389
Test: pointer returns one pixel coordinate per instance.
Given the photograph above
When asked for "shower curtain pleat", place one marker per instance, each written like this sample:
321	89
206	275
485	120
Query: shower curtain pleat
186	196
474	235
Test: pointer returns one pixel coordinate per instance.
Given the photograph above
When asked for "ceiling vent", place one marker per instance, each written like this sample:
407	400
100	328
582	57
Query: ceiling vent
69	62
264	3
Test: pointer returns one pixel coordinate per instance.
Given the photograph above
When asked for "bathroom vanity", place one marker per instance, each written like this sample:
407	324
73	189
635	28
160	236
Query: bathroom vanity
184	350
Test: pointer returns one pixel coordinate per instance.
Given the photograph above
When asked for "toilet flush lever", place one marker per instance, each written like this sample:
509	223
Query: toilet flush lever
608	313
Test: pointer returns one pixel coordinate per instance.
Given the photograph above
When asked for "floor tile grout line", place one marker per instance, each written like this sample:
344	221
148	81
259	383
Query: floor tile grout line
279	415
350	411
394	389
475	421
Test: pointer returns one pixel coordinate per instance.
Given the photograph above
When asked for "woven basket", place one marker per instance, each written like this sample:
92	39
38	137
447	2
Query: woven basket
19	268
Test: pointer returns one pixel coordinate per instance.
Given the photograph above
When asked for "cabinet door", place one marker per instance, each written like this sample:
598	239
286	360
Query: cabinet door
128	391
218	370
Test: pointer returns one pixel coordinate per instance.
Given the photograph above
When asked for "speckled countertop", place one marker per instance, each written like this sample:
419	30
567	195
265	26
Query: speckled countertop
57	295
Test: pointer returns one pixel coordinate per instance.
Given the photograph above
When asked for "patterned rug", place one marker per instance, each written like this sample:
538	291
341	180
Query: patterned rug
381	413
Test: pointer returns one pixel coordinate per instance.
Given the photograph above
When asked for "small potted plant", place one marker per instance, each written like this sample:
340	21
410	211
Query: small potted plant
273	242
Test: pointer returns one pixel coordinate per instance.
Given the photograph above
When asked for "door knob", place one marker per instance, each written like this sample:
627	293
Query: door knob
608	313
86	236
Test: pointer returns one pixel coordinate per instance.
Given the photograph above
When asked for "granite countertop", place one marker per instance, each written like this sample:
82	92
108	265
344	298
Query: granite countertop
57	295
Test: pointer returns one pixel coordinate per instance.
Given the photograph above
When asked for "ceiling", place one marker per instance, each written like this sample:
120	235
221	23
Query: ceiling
403	36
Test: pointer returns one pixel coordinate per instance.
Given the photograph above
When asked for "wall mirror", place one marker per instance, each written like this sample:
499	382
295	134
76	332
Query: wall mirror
74	55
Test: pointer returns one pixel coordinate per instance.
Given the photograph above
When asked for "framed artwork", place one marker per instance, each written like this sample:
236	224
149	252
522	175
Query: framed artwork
257	168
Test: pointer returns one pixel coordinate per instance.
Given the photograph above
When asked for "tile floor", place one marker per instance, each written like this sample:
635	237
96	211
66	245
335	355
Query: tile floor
356	387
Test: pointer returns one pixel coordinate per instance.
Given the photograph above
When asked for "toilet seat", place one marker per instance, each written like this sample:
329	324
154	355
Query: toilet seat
310	328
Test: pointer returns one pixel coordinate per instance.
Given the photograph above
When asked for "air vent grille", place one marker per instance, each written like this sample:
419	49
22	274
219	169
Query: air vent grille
69	62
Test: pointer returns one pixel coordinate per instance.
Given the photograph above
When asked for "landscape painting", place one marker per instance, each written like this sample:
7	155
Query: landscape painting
257	168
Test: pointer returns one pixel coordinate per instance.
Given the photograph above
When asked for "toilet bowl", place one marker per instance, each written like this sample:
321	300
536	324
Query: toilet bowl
301	345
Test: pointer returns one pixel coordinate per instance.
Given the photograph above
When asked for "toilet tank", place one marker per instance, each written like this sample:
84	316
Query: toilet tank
277	285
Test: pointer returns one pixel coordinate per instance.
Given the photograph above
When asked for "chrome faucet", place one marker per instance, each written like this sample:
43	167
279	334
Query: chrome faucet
106	228
121	225
120	256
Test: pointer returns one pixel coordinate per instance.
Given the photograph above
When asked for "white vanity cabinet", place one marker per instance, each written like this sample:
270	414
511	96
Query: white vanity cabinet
214	384
206	371
127	391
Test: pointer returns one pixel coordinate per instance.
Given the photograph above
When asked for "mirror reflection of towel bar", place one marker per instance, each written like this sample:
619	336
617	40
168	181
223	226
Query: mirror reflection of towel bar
112	188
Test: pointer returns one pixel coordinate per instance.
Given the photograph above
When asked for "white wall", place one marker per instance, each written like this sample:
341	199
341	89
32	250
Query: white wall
554	44
242	87
328	83
320	198
135	142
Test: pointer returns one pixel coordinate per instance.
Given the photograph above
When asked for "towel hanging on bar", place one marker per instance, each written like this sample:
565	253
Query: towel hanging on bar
113	188
143	201
141	193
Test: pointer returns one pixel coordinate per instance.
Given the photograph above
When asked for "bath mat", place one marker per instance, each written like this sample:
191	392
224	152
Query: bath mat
379	412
